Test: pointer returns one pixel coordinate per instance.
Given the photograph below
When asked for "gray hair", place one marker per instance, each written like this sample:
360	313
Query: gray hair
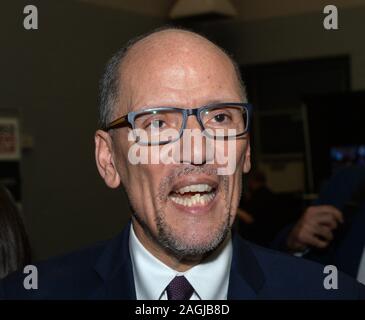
110	82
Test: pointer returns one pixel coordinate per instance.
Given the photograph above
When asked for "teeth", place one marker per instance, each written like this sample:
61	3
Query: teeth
195	188
196	199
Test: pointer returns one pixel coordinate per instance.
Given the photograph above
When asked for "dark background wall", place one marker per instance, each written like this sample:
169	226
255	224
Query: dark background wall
49	78
293	38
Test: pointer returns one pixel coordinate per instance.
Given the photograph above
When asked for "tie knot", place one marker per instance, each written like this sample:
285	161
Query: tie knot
179	289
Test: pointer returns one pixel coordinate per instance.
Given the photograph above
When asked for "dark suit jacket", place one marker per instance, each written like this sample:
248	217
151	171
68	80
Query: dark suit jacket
105	272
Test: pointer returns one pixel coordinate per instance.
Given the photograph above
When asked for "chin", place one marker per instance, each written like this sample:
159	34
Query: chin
192	240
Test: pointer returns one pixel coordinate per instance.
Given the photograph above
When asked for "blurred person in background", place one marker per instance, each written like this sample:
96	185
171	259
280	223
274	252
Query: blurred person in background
333	230
15	250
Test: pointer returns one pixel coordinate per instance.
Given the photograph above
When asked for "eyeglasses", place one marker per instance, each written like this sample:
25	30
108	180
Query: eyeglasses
162	125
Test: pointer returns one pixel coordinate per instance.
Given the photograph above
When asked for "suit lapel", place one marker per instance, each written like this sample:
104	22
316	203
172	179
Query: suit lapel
115	269
246	276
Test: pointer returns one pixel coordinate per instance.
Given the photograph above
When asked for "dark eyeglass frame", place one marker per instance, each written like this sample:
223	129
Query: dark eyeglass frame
127	120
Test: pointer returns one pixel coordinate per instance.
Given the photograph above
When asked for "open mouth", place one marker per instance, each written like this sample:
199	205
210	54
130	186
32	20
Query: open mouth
193	195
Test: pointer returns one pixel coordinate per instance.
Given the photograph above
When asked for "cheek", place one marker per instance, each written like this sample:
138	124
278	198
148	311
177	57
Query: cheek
130	159
139	177
241	146
236	182
142	186
229	156
124	167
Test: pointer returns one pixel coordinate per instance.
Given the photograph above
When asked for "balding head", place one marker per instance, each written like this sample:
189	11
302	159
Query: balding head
149	56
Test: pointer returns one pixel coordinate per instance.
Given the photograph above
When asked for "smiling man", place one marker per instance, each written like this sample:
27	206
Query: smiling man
176	95
182	211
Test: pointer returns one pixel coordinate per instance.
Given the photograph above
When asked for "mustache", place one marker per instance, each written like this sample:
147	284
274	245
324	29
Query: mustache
186	170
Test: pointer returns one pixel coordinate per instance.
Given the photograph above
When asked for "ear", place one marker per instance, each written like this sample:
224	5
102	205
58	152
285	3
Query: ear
104	159
247	159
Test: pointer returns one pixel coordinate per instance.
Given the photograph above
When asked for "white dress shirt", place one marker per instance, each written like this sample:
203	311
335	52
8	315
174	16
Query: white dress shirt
151	276
361	270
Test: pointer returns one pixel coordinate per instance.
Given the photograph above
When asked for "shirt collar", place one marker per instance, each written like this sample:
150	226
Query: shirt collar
151	276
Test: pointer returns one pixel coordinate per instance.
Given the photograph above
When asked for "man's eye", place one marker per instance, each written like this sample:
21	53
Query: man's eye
220	117
157	124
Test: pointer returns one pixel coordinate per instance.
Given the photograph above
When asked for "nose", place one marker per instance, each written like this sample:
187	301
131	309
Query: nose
193	123
193	146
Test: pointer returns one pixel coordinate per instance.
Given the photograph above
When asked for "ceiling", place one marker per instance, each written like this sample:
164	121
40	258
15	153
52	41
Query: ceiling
247	9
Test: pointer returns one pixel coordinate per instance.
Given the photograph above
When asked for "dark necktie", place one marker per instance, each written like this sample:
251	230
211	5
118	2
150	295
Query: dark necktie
179	289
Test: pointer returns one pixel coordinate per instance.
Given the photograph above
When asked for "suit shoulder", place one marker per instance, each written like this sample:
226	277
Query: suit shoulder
294	277
72	272
77	259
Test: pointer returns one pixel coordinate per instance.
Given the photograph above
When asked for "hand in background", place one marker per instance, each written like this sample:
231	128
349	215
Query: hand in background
314	228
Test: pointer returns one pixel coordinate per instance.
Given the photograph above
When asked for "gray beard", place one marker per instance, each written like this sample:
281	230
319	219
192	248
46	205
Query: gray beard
183	250
178	247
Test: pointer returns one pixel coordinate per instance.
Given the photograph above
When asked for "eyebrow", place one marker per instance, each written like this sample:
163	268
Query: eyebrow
209	102
215	101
